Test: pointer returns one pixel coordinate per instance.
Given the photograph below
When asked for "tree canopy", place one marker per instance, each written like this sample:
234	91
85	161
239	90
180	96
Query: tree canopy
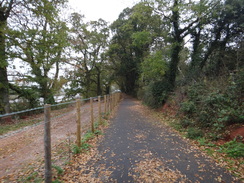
152	50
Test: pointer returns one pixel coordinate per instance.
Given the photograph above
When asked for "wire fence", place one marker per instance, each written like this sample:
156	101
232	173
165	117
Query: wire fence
61	130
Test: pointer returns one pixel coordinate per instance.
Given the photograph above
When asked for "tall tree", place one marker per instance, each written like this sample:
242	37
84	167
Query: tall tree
39	41
5	11
180	16
88	42
134	32
223	26
220	22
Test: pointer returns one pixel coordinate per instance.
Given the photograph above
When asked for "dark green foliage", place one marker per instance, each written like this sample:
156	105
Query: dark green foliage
194	133
156	94
206	106
188	107
186	122
134	33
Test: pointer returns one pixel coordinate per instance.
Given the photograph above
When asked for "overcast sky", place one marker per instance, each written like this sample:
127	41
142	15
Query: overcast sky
108	10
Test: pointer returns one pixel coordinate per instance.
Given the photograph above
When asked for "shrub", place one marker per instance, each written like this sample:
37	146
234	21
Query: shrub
186	122
188	107
213	105
194	133
156	93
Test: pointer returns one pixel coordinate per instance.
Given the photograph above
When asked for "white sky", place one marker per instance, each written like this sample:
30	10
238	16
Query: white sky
108	10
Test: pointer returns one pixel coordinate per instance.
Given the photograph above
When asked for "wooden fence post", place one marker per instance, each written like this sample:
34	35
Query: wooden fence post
105	104
112	102
116	99
99	110
109	106
47	143
92	118
78	135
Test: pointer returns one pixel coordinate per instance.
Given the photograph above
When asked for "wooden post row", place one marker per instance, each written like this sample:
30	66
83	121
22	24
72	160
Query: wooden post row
47	144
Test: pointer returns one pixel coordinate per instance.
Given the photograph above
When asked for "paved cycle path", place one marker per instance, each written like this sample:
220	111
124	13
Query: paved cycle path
137	149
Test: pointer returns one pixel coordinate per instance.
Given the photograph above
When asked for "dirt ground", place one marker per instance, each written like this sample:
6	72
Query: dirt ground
18	149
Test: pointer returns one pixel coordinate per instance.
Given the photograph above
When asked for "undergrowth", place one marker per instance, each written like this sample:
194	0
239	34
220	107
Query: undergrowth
211	105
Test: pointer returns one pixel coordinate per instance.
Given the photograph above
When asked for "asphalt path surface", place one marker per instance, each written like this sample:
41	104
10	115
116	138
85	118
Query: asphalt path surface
136	149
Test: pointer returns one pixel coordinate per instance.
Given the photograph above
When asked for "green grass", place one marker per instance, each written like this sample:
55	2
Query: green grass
204	142
89	135
233	149
194	133
59	170
33	177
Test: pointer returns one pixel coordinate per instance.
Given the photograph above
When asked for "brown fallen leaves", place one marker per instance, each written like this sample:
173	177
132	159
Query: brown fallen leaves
151	169
81	168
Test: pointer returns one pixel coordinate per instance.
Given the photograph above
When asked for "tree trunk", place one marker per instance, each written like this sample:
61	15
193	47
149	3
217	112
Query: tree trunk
175	58
194	69
5	10
177	45
46	93
4	89
48	97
